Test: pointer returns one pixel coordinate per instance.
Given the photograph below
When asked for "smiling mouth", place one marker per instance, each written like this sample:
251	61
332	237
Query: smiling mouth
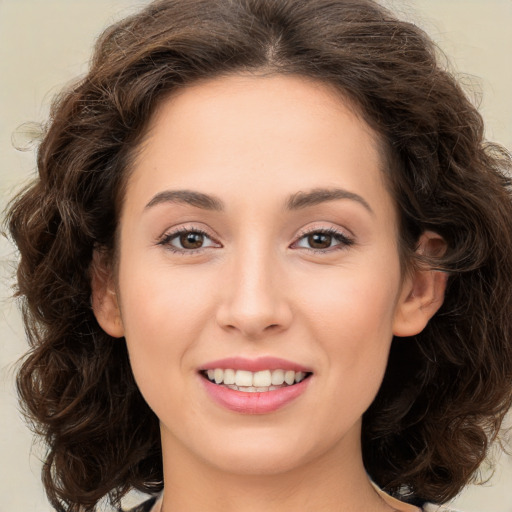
254	382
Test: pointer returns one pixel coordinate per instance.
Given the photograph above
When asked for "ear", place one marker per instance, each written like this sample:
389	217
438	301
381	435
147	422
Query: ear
104	297
422	291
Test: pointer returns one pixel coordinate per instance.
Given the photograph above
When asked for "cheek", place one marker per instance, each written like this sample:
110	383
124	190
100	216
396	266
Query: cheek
352	316
354	301
163	313
163	300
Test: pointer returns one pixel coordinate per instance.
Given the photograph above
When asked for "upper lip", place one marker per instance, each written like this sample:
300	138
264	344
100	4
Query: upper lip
255	365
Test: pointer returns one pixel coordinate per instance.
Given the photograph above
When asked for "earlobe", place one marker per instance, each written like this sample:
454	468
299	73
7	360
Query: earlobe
422	292
104	297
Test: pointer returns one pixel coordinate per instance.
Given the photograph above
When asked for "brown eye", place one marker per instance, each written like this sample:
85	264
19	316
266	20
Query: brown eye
188	241
191	240
324	241
320	240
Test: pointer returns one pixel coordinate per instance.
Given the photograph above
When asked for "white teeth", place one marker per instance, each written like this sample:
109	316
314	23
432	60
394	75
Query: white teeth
218	375
243	378
277	377
289	377
262	379
265	380
229	376
252	389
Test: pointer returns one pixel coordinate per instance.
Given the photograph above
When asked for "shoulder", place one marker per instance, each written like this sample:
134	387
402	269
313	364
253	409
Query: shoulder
145	506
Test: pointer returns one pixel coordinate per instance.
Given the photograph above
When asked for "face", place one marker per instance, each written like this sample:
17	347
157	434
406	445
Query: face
258	242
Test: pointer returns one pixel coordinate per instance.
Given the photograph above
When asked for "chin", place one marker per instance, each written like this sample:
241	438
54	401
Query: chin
258	463
250	451
262	453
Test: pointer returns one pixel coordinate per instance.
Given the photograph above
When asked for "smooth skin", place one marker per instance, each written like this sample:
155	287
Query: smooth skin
264	266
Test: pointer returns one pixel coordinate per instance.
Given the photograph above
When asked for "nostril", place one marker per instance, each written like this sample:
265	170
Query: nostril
253	318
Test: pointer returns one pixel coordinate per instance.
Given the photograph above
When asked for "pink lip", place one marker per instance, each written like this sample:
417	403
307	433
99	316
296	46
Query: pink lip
254	403
255	365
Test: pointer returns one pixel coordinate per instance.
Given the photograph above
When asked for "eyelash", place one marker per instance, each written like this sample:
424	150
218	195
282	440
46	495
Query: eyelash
344	240
168	237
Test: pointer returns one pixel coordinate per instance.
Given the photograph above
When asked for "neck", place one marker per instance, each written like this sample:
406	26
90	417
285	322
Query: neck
332	482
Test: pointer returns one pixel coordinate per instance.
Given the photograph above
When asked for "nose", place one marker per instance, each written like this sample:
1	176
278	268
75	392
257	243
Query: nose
254	301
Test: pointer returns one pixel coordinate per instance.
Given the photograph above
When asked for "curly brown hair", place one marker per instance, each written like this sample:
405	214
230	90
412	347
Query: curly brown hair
445	391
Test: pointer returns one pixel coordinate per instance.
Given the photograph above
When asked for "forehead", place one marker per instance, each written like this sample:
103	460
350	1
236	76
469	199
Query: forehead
257	100
276	131
238	88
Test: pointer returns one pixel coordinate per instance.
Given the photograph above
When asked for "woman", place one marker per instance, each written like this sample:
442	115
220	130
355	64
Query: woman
266	262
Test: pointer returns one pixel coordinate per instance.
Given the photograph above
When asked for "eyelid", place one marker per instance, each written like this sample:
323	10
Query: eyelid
346	237
170	234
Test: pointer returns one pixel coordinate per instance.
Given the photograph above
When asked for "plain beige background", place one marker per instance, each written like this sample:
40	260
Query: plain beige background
46	43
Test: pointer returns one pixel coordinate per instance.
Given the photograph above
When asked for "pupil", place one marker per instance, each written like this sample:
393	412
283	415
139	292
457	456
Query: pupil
191	240
320	240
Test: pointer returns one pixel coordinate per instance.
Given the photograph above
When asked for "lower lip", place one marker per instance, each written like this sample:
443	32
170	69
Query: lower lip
254	403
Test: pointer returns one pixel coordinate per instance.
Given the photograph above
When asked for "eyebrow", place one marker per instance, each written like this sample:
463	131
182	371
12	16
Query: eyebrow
316	196
197	199
297	201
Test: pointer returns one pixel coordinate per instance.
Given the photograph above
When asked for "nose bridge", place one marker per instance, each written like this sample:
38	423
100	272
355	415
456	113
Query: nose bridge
254	301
